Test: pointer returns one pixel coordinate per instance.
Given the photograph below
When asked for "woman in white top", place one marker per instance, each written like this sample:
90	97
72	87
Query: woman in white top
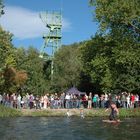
128	101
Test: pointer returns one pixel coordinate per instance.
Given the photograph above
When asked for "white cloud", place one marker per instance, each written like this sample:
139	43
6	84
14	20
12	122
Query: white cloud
24	23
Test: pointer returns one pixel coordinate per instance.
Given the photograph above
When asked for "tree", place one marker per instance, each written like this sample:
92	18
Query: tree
29	61
118	13
119	20
7	60
67	67
127	65
14	79
96	56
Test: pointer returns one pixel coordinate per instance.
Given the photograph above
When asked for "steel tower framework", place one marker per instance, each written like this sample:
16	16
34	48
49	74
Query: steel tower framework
53	22
1	8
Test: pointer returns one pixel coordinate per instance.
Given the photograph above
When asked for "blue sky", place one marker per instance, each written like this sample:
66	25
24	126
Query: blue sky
22	19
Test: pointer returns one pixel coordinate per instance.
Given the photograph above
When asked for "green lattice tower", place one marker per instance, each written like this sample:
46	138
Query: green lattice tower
53	21
1	13
1	8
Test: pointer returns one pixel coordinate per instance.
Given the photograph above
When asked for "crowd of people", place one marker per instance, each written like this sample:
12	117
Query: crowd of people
68	101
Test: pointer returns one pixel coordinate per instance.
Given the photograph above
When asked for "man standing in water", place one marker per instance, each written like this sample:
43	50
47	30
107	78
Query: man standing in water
114	112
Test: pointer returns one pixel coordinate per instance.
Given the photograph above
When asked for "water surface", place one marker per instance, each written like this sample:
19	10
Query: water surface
63	128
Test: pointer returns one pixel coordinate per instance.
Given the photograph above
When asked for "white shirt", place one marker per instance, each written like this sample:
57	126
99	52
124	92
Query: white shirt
128	99
67	97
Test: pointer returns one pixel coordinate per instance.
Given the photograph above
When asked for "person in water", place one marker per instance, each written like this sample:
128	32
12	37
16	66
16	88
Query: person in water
82	114
68	113
114	112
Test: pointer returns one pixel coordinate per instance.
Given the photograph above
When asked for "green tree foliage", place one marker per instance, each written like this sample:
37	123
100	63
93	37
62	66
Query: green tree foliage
116	61
10	78
96	58
6	49
67	67
14	79
7	59
118	14
110	66
127	63
29	61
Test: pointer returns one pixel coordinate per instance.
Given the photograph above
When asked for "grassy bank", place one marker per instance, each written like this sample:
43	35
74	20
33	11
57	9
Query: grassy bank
8	112
76	112
130	112
63	112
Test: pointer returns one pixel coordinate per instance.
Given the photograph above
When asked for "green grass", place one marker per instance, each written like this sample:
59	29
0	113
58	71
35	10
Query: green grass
9	112
130	112
76	112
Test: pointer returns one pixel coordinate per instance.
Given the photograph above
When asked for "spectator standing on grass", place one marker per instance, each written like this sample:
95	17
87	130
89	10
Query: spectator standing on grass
84	99
71	100
42	102
24	102
0	99
52	101
11	101
7	100
90	100
94	100
62	99
102	101
37	102
132	100
56	101
106	100
128	101
74	101
67	98
28	99
14	100
137	100
31	100
123	99
19	101
45	101
78	104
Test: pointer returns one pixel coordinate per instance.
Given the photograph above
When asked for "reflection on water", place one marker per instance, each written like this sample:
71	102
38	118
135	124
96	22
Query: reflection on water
63	128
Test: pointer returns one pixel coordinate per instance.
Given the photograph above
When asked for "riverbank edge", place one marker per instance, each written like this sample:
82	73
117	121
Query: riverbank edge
8	112
76	112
